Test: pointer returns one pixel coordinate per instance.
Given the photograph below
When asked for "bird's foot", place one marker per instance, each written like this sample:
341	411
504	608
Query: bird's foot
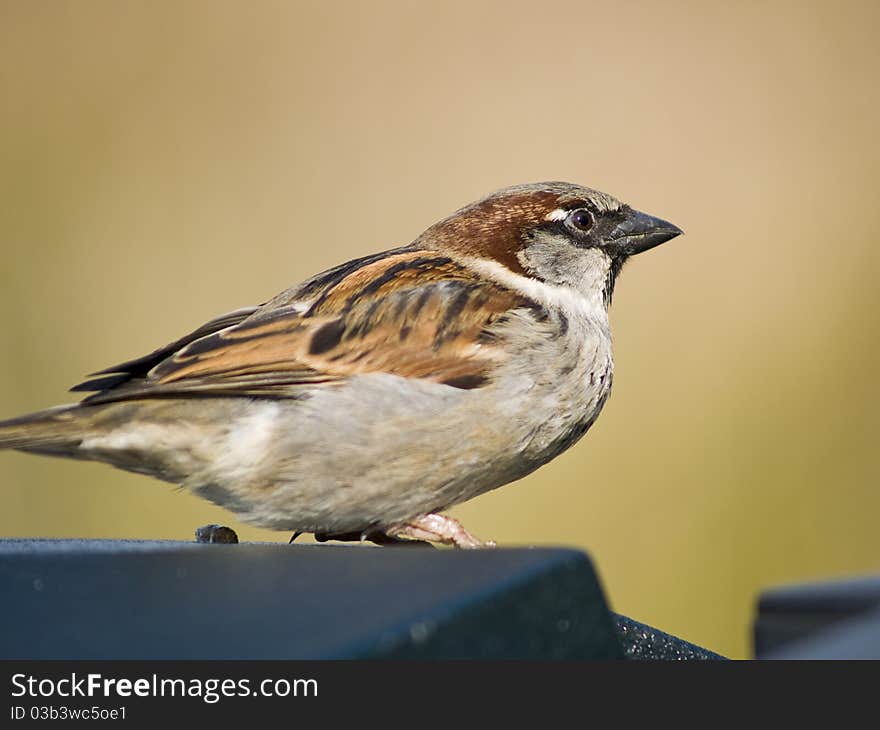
419	532
375	536
216	534
437	528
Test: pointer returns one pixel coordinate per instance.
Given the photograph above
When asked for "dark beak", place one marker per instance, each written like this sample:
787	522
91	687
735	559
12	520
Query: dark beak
638	232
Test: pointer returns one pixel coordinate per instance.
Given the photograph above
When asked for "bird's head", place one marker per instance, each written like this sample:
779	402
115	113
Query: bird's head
555	232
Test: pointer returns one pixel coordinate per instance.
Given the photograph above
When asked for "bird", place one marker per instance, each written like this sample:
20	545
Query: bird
367	400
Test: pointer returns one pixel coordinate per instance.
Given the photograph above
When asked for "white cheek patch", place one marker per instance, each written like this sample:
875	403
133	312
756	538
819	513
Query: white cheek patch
573	302
559	214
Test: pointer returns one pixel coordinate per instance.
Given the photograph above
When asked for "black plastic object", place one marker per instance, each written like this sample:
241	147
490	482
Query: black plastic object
640	641
838	619
165	600
118	599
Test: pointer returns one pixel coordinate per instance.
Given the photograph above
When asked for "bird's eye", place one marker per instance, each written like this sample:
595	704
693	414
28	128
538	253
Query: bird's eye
582	219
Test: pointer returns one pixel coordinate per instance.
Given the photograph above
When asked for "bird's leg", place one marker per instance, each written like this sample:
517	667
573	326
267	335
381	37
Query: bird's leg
437	528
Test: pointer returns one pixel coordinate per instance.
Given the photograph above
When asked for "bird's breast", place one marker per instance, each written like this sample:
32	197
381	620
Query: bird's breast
556	379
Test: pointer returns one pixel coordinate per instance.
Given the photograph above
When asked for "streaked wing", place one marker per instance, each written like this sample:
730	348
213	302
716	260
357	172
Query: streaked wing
412	313
139	367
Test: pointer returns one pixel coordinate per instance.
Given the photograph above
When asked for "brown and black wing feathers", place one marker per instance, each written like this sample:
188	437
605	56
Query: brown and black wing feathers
139	367
411	312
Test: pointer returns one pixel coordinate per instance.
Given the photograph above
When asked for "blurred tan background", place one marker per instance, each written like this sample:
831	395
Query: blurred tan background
161	163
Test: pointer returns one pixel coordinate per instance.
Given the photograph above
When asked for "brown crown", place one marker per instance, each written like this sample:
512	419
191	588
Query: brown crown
494	226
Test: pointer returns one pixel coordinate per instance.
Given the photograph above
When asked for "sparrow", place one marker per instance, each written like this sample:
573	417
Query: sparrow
366	400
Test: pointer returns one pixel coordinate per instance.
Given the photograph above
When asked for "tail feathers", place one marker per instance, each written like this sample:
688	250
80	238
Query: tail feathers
53	431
